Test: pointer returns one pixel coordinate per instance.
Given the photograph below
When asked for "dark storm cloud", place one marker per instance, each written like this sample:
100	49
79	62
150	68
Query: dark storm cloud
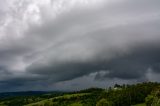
134	65
114	40
127	61
129	66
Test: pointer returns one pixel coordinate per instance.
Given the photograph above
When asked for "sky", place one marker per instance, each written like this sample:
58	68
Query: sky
77	44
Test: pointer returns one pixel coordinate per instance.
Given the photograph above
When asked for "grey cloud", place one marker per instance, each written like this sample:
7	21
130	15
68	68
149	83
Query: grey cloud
134	65
120	38
130	66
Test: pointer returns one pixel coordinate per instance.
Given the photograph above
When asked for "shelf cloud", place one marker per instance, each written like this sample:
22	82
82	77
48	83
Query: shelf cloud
57	44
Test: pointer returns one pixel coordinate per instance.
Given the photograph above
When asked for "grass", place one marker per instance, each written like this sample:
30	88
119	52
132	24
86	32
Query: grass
67	96
76	104
142	104
2	104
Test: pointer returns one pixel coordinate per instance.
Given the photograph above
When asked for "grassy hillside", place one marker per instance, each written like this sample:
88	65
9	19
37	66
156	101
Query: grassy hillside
142	104
55	100
119	95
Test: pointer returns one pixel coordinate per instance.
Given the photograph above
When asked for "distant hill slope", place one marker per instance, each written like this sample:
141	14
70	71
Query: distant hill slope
24	93
75	98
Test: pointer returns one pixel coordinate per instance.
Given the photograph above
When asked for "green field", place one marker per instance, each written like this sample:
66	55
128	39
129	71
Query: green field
64	97
76	104
143	104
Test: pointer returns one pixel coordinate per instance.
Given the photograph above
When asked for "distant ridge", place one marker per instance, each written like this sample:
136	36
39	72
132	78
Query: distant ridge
24	93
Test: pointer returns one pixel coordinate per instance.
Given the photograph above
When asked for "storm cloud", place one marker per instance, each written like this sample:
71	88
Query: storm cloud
60	43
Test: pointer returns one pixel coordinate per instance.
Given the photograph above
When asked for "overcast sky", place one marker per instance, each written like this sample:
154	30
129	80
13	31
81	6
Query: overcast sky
76	44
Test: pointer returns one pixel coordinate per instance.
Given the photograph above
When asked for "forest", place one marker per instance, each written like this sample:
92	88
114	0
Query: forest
140	94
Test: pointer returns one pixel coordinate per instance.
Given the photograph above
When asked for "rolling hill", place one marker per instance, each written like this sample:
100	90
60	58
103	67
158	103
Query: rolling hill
141	94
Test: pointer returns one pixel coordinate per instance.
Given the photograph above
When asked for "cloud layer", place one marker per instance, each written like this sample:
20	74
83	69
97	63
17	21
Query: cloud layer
59	43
